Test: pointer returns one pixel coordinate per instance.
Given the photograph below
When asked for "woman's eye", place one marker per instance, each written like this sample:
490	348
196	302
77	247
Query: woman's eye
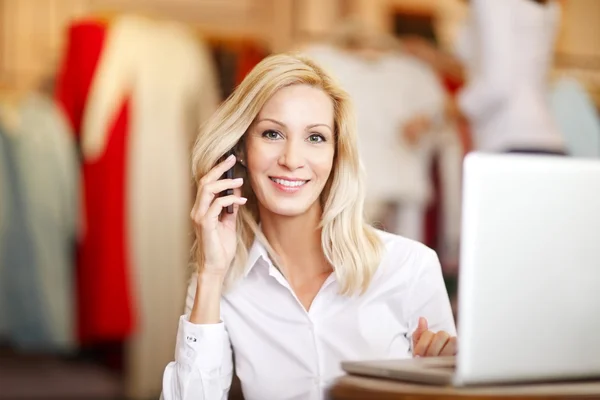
271	134
315	138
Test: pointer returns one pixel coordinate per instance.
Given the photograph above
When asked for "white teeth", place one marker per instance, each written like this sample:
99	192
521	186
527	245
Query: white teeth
283	182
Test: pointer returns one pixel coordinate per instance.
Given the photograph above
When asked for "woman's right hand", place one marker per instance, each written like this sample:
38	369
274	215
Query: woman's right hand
215	229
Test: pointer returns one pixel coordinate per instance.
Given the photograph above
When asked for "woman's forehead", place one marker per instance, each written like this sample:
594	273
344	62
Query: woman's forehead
299	104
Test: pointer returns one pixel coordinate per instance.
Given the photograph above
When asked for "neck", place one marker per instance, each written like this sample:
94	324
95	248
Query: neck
297	242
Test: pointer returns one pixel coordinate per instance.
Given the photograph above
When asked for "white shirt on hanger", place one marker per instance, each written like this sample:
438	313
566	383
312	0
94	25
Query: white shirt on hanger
387	92
508	47
283	351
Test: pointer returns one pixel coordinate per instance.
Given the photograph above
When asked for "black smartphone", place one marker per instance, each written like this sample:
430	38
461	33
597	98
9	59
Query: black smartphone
227	175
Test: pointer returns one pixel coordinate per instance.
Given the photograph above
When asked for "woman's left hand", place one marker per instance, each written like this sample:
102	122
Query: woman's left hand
432	344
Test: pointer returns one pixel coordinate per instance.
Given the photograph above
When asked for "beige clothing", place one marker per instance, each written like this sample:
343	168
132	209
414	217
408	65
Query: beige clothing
169	75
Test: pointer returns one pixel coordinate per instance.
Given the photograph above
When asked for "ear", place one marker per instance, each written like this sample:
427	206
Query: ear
240	152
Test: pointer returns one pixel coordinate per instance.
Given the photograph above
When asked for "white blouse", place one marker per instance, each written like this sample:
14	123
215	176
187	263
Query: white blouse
283	351
508	47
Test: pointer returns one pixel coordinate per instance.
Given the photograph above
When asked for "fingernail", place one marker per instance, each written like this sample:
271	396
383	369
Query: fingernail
238	180
243	199
231	157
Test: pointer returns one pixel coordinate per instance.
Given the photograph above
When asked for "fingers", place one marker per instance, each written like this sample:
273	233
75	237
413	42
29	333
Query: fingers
215	174
450	348
422	327
214	211
422	345
438	342
208	191
429	344
231	218
223	184
218	170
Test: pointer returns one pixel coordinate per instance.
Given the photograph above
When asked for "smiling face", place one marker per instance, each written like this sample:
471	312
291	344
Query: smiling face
290	149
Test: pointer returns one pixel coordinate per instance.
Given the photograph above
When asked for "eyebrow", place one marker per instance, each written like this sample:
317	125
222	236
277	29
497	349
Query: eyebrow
283	125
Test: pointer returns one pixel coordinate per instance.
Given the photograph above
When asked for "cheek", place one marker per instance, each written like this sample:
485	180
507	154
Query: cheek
322	163
259	158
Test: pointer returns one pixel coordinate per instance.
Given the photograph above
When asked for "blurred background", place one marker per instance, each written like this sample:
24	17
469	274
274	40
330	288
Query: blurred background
100	101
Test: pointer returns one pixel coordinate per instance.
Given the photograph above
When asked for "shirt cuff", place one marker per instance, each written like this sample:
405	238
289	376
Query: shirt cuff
200	346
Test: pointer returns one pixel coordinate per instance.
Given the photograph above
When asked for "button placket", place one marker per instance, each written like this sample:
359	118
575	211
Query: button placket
313	332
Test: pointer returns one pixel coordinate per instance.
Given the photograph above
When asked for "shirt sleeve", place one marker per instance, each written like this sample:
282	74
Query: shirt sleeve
428	298
203	366
491	82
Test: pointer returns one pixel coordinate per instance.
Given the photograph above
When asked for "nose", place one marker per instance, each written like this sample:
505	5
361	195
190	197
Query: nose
292	156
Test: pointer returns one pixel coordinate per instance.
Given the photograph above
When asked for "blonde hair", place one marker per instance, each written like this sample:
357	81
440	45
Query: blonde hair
351	246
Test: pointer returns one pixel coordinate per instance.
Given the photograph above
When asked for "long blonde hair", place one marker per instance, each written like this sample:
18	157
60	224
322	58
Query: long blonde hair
351	246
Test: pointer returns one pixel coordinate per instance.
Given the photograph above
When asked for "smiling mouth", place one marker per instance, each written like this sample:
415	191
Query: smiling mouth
289	184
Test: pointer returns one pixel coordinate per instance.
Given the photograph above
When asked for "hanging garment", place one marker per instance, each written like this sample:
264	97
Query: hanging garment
450	154
577	117
387	92
250	55
22	317
447	197
168	79
226	63
40	200
104	304
379	90
507	47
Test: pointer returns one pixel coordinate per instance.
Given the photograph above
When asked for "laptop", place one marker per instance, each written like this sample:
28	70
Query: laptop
529	280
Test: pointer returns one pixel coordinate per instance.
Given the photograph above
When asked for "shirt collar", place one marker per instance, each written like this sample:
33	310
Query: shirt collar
256	254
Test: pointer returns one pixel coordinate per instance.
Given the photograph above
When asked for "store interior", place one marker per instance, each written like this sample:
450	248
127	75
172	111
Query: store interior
89	301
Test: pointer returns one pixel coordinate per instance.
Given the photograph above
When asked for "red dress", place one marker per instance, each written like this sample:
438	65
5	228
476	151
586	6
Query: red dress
104	302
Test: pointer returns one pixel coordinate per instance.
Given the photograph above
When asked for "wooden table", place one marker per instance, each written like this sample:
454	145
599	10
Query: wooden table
356	387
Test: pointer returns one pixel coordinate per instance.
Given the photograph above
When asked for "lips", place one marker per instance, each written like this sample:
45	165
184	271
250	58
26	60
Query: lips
288	186
290	183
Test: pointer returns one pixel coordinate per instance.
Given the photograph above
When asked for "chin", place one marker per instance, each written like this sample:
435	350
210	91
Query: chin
288	202
288	208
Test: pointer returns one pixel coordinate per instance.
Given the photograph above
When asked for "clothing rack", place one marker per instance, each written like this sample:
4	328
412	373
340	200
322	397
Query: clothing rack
222	21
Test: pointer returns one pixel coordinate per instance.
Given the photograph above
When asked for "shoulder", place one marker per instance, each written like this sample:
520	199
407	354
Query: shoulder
397	246
403	257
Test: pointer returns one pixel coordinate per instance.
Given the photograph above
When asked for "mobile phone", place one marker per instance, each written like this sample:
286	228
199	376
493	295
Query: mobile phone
227	175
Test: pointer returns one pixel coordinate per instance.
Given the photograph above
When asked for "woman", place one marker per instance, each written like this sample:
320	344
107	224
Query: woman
293	280
508	47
